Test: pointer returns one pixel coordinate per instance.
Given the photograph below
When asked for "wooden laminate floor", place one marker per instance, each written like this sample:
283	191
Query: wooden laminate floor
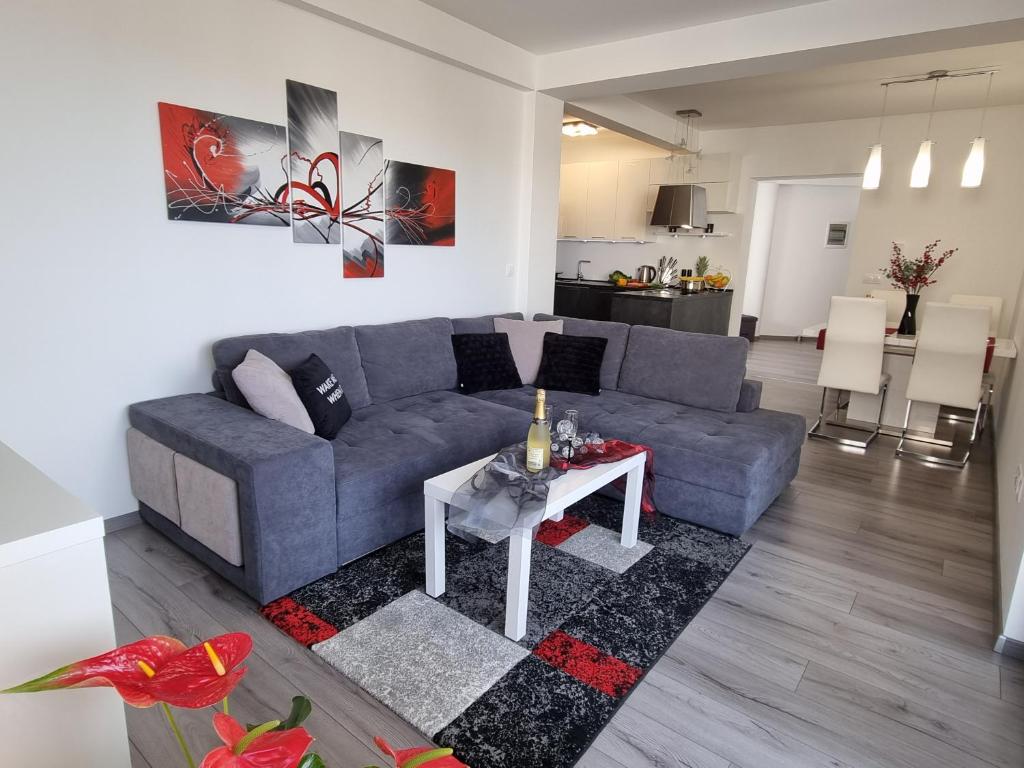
856	632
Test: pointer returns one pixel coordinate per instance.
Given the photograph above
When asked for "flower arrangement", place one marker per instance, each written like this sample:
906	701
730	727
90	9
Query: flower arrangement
914	274
162	670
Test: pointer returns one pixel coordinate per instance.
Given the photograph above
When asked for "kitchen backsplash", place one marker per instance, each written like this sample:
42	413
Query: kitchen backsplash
607	257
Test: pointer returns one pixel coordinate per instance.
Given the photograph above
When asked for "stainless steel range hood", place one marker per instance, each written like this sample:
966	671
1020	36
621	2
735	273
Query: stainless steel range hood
680	206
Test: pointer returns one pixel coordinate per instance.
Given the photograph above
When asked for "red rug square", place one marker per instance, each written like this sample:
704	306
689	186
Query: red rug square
298	622
553	534
587	664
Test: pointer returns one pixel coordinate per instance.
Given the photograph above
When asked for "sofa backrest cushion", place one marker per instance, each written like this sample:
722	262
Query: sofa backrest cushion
335	346
408	358
696	369
483	324
616	333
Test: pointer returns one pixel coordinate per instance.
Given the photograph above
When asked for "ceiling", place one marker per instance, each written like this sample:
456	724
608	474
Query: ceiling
847	91
545	26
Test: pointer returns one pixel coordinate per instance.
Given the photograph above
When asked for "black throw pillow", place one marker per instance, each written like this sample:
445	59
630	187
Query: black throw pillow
320	392
484	361
571	363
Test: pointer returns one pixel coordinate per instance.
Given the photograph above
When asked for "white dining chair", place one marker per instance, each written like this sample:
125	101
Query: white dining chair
988	381
949	361
852	362
994	303
895	305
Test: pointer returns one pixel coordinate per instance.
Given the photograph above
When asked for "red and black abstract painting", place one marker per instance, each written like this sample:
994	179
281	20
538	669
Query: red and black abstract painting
223	169
420	204
362	200
314	190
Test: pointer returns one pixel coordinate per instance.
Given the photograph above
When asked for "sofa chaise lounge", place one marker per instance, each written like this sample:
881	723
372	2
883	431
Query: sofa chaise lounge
271	508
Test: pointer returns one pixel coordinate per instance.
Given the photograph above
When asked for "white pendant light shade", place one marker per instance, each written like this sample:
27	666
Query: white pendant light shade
922	169
873	170
974	168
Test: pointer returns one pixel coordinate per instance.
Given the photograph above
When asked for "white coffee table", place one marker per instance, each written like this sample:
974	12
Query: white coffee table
571	487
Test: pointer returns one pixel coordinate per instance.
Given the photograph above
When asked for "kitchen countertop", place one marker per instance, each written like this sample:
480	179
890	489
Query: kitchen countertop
648	293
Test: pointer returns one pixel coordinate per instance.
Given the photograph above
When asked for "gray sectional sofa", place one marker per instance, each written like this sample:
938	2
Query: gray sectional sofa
272	508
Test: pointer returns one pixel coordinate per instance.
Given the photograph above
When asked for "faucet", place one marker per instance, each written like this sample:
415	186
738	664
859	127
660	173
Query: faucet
579	268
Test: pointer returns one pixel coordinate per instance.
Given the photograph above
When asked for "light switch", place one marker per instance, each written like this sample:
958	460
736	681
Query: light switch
510	269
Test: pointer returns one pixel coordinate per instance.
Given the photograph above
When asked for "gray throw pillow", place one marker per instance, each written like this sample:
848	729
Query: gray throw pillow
270	392
526	337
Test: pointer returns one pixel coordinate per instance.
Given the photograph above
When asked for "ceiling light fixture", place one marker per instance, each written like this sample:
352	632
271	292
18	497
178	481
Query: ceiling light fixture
922	169
873	169
578	128
974	166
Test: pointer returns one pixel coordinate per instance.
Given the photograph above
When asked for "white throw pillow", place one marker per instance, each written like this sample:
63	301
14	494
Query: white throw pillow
526	338
270	392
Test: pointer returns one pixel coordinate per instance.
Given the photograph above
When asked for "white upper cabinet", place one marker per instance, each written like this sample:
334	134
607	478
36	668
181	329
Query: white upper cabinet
631	200
612	199
572	201
602	190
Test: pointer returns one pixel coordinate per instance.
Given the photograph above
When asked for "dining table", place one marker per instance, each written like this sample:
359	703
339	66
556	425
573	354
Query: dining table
897	360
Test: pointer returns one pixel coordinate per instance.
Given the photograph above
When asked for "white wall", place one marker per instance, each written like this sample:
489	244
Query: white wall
762	220
1009	456
105	302
802	273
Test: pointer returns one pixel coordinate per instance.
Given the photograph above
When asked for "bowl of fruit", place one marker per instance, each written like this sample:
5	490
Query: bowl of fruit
717	280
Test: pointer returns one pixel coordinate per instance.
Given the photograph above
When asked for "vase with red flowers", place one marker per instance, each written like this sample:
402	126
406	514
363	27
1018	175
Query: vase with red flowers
911	275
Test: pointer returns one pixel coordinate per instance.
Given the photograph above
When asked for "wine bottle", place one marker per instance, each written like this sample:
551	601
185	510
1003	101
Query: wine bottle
538	441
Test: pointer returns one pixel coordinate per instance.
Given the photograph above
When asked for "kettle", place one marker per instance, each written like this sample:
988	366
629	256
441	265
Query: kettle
646	273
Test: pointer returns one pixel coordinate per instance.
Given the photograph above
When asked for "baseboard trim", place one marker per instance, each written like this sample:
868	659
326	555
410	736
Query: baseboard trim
1009	647
119	523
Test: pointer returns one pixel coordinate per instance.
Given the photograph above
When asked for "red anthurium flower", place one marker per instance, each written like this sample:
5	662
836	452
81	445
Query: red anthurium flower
403	757
272	749
157	669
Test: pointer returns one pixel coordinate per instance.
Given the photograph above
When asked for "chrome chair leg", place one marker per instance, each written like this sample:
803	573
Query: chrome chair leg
959	463
816	430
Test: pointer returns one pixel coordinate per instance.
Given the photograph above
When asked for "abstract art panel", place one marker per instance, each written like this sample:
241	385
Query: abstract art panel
223	169
313	164
362	201
420	204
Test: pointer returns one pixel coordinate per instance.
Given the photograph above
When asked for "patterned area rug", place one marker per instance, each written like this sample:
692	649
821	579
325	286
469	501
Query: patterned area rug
600	616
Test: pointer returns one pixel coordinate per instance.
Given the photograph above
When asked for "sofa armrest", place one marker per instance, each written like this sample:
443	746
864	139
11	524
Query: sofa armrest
750	396
286	493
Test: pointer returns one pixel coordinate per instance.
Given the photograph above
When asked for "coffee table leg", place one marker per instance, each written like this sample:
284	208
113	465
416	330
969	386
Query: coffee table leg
518	592
434	535
631	512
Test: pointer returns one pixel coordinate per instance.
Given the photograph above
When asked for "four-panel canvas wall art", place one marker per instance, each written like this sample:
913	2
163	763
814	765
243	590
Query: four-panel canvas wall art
331	187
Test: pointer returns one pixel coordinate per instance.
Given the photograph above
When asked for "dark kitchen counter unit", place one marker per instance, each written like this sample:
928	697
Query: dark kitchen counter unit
705	312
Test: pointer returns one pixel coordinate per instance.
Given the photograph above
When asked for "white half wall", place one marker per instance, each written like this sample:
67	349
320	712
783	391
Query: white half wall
105	302
803	274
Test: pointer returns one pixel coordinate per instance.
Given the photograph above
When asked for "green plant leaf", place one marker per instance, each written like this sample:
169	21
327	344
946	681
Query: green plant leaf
312	760
426	757
301	709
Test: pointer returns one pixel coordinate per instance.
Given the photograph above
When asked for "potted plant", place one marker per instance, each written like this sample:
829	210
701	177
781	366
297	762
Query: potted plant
162	670
911	275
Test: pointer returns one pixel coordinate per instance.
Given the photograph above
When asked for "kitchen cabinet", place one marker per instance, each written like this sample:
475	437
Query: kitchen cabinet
722	196
718	173
631	200
589	301
705	312
602	188
572	200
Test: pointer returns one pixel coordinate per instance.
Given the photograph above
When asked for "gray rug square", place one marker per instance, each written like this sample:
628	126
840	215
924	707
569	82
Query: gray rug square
422	659
601	546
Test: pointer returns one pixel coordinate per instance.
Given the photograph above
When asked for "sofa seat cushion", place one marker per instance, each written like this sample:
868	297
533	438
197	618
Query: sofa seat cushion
387	450
734	453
